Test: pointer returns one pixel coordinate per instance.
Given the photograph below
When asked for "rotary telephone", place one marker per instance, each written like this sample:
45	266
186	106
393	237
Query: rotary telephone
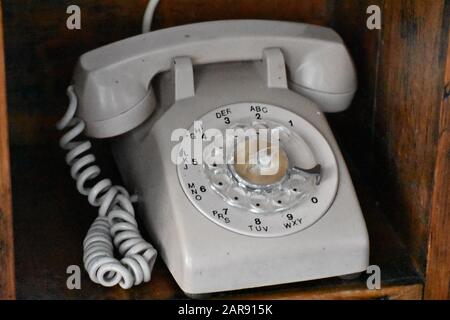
218	225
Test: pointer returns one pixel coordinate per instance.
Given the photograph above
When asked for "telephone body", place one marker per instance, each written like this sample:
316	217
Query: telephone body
231	73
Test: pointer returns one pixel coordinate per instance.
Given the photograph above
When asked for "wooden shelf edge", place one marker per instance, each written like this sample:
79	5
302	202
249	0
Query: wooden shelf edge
389	292
7	279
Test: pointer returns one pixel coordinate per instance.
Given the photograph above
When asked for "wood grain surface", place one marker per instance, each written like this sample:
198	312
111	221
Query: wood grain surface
7	280
406	116
437	284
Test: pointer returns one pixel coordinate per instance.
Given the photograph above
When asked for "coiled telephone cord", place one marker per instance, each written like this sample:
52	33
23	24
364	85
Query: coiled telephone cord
115	226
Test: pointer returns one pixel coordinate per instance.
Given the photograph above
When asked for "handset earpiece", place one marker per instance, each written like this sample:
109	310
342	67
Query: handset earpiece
326	75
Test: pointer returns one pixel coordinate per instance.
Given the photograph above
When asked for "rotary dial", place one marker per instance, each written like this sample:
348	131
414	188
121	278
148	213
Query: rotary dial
262	171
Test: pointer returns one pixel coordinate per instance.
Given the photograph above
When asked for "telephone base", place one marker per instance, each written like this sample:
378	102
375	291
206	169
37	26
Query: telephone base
202	296
203	256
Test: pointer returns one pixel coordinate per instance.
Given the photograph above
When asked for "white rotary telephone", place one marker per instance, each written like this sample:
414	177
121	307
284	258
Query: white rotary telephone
218	226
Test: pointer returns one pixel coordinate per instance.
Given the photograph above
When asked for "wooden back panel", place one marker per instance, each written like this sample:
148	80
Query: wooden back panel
410	124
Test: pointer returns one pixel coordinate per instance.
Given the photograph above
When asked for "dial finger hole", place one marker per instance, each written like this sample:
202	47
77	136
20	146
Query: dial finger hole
293	183
237	195
281	199
298	188
259	202
260	125
212	156
220	181
239	126
284	134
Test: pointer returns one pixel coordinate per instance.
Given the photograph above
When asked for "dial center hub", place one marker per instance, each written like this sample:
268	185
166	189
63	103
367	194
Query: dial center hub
258	163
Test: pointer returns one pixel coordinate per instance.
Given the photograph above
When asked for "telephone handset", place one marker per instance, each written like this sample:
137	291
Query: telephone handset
288	212
116	78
